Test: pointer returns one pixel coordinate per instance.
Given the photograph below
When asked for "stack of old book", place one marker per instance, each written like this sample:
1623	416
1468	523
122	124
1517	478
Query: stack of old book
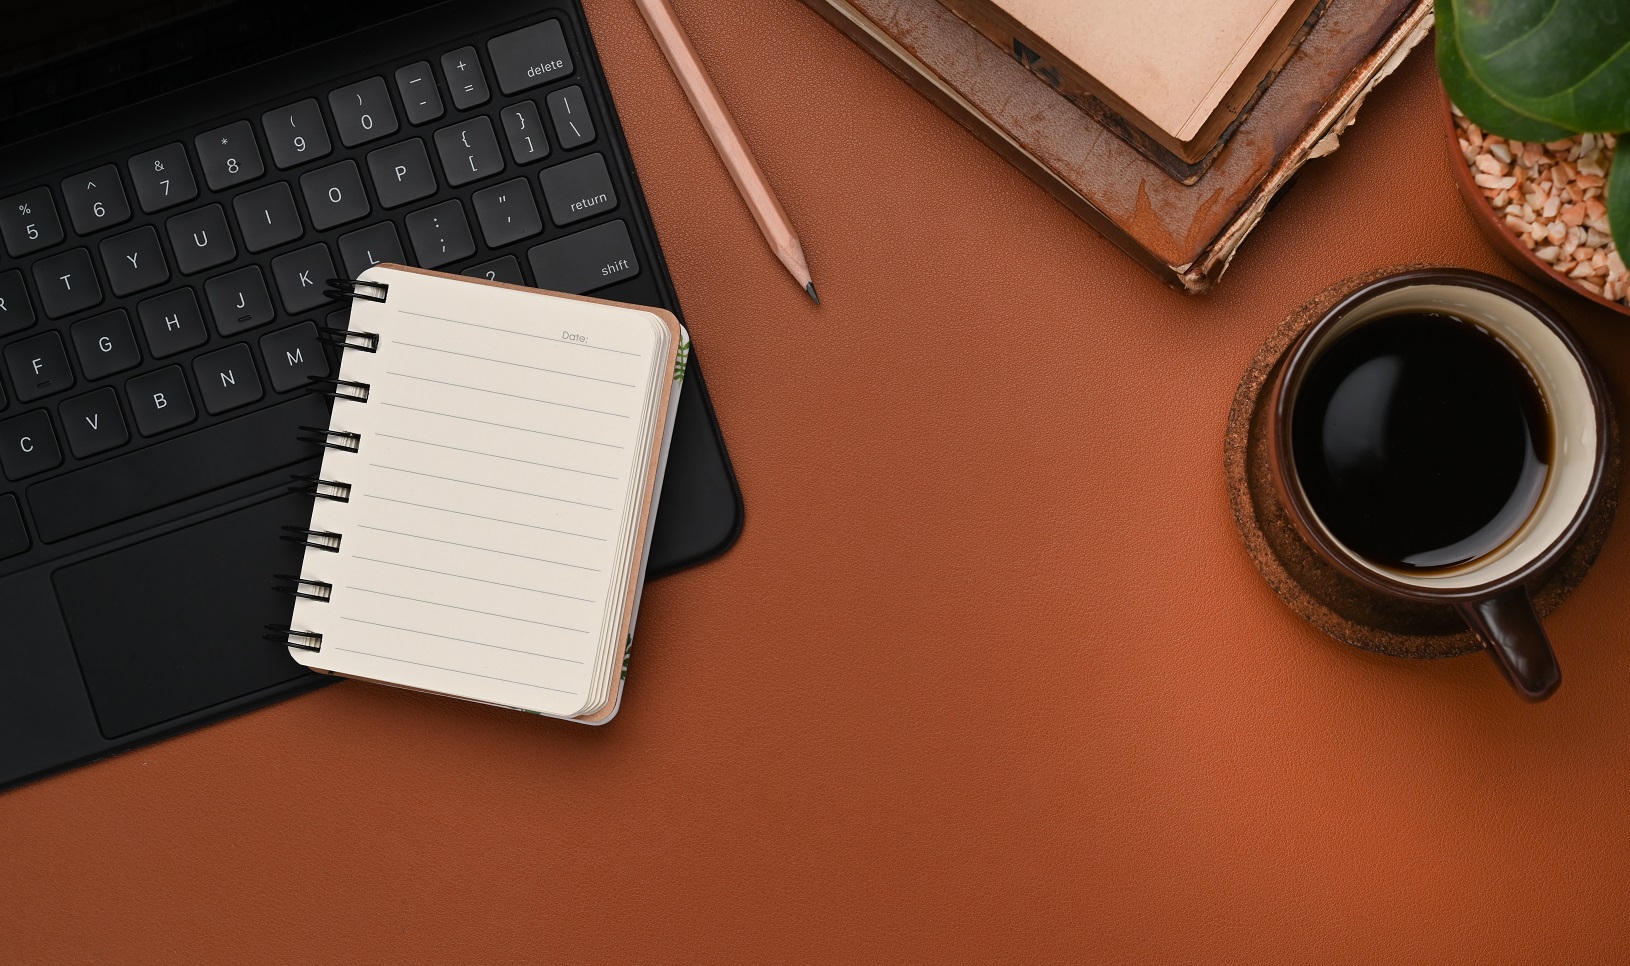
1169	125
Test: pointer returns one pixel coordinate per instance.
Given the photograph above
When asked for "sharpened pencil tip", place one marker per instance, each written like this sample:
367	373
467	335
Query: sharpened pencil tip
810	288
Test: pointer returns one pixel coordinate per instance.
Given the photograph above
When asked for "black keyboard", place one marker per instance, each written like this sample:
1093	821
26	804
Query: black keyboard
160	306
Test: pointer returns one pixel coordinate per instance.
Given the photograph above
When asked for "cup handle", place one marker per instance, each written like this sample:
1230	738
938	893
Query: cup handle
1516	640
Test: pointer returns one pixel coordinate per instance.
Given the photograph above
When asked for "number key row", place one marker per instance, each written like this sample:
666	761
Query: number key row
96	199
163	177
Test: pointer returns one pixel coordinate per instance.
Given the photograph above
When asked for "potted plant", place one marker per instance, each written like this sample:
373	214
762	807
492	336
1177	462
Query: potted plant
1538	92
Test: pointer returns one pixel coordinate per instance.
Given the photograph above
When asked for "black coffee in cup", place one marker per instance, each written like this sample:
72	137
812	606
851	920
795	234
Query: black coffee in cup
1421	441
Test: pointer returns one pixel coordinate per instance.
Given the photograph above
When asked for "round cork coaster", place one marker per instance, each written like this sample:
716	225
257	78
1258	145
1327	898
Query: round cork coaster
1322	595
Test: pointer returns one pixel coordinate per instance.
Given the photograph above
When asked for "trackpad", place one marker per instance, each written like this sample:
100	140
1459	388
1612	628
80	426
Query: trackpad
173	625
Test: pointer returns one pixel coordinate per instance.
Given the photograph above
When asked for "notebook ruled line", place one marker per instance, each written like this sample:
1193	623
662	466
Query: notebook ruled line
484	422
454	670
507	395
514	523
528	335
467	610
498	456
461	640
479	580
489	486
471	546
507	362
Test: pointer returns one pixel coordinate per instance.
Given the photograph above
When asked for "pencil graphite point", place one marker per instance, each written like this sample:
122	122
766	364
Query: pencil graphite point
810	288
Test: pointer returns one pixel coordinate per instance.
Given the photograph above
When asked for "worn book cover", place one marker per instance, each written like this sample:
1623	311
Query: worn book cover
1185	234
1172	77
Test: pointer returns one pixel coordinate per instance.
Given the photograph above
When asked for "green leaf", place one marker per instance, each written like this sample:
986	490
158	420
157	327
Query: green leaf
1477	103
1566	62
1618	202
681	361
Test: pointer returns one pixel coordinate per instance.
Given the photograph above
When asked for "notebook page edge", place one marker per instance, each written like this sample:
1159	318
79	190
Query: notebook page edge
615	697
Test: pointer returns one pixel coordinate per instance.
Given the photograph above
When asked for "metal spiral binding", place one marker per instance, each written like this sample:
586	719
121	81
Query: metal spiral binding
346	339
321	489
348	389
346	288
332	438
321	590
289	637
315	539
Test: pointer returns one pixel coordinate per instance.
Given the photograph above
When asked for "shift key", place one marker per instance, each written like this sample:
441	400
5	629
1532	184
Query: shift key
585	261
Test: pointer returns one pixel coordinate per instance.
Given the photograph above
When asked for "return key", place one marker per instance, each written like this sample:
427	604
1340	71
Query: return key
578	189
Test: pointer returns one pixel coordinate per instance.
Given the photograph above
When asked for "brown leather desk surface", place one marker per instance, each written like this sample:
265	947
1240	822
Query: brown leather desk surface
989	677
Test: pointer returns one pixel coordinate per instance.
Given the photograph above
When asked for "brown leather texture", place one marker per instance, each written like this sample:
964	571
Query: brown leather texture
989	676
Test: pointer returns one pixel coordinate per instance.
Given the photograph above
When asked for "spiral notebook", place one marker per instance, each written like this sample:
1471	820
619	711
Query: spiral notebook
486	498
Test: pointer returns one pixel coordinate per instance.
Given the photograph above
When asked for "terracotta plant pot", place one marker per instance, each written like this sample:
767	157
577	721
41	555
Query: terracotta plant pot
1492	224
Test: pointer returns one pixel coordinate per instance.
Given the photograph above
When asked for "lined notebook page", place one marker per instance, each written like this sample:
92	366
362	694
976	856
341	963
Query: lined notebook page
497	495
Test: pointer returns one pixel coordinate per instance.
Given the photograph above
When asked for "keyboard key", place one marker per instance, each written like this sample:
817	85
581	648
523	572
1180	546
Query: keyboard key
462	68
401	173
227	379
302	276
163	178
570	112
266	217
505	269
67	283
578	189
440	234
13	535
363	112
296	133
29	222
294	356
27	445
201	239
367	247
176	469
229	155
334	195
134	261
416	84
38	367
105	344
159	401
16	314
585	261
172	323
530	56
507	213
525	135
469	151
95	200
238	300
93	423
